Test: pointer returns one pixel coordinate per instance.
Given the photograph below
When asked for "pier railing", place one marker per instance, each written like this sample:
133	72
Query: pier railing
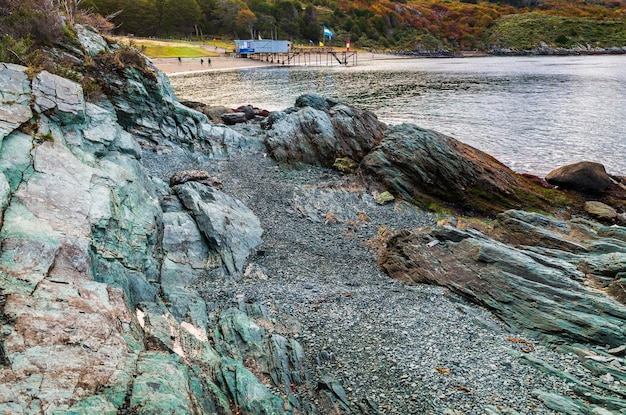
309	57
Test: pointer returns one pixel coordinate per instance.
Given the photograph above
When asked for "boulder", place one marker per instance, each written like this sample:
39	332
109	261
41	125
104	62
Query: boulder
585	176
424	166
230	228
318	131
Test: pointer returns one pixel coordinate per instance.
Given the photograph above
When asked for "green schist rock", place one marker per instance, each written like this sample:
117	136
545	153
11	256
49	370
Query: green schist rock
328	384
117	387
163	386
286	364
231	228
565	405
424	165
384	198
345	165
236	334
14	99
506	278
249	394
61	99
93	405
16	161
76	204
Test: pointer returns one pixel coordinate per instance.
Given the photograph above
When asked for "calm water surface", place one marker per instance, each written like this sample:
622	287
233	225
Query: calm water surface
532	113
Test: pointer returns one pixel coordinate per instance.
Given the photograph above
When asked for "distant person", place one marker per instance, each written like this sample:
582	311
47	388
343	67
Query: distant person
209	60
180	60
201	61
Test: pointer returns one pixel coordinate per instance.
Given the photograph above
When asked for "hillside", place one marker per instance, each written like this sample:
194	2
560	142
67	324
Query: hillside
398	25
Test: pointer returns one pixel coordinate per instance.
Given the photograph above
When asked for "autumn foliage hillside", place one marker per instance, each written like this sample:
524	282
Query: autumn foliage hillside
382	25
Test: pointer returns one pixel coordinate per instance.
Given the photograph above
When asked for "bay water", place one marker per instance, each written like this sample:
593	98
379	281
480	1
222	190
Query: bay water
532	113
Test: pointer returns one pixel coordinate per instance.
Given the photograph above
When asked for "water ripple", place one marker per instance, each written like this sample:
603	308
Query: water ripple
532	113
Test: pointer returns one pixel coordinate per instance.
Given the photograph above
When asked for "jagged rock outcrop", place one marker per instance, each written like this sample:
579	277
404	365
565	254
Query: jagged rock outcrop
146	105
584	176
423	166
98	310
318	131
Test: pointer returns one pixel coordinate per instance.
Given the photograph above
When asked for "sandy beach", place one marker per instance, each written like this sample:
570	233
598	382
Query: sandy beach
172	67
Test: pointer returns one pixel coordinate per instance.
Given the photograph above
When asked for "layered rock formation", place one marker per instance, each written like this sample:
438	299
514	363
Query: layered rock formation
425	166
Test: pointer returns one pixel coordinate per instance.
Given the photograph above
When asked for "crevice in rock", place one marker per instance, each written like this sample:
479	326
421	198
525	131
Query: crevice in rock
24	127
126	409
4	360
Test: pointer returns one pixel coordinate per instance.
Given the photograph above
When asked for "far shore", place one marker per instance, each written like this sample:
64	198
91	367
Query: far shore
172	67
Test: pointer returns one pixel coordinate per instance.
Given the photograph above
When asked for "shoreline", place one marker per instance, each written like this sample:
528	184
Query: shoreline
188	66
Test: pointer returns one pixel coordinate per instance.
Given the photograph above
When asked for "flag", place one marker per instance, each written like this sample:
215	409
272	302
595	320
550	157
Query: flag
327	32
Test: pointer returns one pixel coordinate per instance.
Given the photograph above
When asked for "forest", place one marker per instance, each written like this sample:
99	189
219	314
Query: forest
385	25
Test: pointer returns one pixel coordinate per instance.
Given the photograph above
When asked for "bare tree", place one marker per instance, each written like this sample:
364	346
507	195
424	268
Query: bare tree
69	7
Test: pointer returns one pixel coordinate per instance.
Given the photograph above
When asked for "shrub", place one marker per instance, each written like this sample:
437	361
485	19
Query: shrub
14	51
38	20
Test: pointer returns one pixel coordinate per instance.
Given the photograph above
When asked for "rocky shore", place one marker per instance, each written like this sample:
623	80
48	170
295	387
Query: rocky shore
155	262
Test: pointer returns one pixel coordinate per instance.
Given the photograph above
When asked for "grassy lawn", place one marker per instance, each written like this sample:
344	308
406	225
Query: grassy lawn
176	48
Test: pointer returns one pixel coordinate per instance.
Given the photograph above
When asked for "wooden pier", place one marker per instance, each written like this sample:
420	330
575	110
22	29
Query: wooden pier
309	57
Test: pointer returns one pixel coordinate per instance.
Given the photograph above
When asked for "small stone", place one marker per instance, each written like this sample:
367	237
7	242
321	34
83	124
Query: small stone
345	165
619	350
607	378
384	198
600	210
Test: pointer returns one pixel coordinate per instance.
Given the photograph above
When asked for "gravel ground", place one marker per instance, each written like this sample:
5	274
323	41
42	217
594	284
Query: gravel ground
406	349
